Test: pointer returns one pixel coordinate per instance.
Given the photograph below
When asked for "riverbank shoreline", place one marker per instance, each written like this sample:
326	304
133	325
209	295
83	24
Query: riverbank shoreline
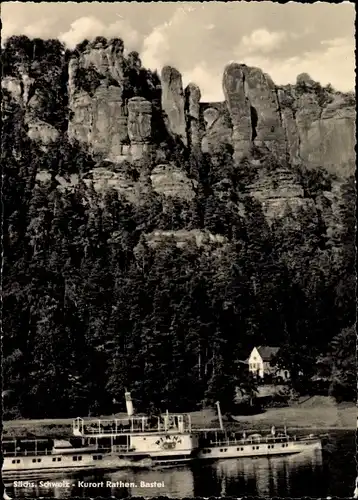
327	415
323	416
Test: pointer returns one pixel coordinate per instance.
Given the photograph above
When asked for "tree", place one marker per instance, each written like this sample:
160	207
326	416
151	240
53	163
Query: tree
339	365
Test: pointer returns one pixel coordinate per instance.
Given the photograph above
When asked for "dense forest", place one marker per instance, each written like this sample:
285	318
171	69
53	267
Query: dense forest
91	309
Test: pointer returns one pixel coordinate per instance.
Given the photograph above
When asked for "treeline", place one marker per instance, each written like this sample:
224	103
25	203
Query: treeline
90	308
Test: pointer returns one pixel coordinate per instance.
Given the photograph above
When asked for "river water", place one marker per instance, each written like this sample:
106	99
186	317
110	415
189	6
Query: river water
315	474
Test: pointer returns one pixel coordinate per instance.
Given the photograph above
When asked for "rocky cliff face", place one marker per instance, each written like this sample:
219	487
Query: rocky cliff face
299	124
139	126
239	108
173	102
192	106
278	191
171	181
25	93
95	93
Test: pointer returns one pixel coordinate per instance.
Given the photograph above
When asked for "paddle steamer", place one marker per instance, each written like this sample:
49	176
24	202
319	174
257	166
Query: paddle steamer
105	444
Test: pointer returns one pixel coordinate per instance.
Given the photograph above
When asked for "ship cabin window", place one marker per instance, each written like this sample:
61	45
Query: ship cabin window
253	447
16	461
97	457
76	457
221	449
225	449
56	459
122	440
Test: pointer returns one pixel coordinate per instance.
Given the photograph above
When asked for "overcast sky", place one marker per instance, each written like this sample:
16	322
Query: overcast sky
199	39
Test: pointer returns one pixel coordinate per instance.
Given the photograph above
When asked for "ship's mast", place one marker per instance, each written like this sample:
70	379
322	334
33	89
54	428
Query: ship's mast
220	416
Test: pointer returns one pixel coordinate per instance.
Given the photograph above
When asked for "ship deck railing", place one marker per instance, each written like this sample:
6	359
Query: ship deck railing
256	440
180	424
25	453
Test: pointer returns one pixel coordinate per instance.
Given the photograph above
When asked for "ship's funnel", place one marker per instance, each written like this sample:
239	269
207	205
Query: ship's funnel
129	404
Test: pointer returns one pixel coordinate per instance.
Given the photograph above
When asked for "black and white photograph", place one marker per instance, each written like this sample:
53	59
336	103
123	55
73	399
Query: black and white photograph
178	275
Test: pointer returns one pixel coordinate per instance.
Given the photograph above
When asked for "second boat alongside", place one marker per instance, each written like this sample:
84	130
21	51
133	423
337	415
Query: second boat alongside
222	446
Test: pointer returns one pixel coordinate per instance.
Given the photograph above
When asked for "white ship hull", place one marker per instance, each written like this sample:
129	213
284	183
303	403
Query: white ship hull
140	450
33	465
258	449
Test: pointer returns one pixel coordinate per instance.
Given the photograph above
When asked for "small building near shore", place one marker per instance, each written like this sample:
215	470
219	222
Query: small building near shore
261	364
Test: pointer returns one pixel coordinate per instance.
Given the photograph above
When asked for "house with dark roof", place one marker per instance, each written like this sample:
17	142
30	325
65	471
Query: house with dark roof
261	363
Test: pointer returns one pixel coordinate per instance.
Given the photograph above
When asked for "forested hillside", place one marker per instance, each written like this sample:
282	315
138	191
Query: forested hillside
162	279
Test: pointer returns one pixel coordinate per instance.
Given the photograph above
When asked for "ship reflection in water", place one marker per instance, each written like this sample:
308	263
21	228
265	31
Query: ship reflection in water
262	477
277	476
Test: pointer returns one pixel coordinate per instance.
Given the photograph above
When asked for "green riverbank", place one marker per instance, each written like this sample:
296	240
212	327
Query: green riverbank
316	413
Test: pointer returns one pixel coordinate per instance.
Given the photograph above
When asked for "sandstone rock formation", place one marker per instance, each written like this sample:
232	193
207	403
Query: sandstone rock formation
173	103
42	132
139	126
192	105
13	86
239	108
184	237
98	116
218	128
329	138
290	120
266	121
19	86
104	57
278	190
257	119
21	92
286	103
319	135
172	182
104	179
